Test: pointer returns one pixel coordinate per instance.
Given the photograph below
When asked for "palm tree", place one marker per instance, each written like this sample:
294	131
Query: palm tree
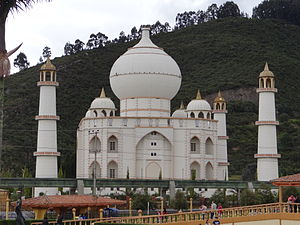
7	6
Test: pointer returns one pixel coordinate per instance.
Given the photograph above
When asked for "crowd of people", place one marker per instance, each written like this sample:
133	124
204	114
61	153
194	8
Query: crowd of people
213	215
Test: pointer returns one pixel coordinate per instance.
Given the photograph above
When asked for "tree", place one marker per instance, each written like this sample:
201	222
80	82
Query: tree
46	52
140	201
6	7
180	201
26	174
21	61
96	40
228	9
212	12
248	197
78	46
69	49
288	10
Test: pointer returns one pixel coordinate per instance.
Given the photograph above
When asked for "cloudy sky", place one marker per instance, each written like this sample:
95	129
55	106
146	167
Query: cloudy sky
55	23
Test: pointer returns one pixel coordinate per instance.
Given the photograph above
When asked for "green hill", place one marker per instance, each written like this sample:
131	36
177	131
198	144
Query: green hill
225	54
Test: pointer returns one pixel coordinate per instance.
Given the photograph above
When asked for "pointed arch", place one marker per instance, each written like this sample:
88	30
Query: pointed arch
153	170
195	170
112	144
201	115
218	106
261	83
209	171
209	147
97	169
192	115
269	83
112	169
208	116
95	113
95	145
103	112
111	113
195	145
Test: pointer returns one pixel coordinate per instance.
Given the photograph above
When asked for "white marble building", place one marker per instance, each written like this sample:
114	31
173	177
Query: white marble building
146	140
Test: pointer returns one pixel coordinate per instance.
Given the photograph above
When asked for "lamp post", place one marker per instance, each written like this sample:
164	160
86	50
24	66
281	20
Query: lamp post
95	149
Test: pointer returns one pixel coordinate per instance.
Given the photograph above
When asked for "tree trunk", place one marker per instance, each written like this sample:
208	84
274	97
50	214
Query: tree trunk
2	35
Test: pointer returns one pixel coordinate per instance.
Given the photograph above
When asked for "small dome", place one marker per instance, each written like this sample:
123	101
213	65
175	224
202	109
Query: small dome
219	98
145	70
180	113
198	104
48	65
102	102
266	72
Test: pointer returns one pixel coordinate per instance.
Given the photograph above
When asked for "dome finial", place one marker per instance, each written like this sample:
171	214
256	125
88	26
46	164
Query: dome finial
219	97
48	65
102	95
181	105
266	67
198	96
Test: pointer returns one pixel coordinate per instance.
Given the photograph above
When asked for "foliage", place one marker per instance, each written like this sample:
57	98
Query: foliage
226	54
21	61
220	197
265	195
249	197
228	9
180	201
140	201
288	10
46	52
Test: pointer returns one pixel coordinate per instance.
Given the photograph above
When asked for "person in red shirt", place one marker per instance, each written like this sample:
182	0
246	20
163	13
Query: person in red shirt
220	210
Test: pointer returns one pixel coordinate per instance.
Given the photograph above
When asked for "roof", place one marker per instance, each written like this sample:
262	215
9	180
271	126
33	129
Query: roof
291	180
65	201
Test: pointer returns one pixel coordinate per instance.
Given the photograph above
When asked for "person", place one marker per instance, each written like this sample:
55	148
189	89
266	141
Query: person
213	206
202	209
20	220
220	209
59	220
45	220
296	206
216	221
291	200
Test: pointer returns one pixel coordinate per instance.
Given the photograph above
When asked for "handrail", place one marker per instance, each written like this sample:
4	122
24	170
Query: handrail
243	211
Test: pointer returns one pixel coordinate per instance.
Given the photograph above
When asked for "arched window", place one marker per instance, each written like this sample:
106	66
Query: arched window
112	144
218	106
192	115
209	171
111	113
95	113
95	145
195	145
104	112
209	147
195	171
96	168
112	170
268	83
48	76
261	83
208	116
201	115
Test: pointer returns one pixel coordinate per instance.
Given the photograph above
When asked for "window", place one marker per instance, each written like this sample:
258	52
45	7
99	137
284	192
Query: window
112	173
153	143
193	147
112	146
48	76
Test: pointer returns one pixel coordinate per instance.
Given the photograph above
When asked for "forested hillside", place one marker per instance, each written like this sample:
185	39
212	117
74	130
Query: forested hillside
225	54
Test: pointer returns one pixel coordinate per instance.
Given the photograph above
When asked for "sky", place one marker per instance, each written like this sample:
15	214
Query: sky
55	23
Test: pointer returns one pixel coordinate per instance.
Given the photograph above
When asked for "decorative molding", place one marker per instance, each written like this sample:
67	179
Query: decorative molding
223	137
47	83
258	90
220	111
223	163
159	110
145	73
46	117
137	97
257	156
266	123
46	154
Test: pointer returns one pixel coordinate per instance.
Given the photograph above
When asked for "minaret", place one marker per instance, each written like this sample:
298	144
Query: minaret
267	156
220	110
46	154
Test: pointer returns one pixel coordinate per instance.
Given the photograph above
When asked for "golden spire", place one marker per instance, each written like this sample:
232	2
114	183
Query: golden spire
219	97
266	72
102	95
266	67
181	105
198	96
48	65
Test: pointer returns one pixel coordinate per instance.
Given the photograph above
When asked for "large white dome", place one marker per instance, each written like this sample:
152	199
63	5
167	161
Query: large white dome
145	70
198	104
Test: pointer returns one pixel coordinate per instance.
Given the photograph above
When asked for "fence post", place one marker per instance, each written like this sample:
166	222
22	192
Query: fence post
74	213
100	214
140	215
191	204
7	208
130	207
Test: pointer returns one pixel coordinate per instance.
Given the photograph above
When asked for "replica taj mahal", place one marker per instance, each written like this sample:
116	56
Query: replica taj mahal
147	141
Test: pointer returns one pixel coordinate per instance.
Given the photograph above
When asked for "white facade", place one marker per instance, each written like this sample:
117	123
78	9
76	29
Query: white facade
267	156
46	154
145	140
